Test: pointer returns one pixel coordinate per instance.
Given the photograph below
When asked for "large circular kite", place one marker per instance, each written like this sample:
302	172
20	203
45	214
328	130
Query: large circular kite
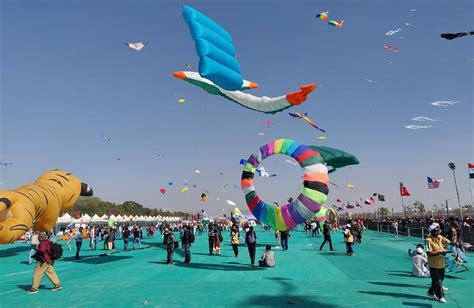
312	196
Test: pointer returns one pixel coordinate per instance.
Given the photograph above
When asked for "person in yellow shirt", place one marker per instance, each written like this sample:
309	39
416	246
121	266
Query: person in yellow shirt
435	249
349	239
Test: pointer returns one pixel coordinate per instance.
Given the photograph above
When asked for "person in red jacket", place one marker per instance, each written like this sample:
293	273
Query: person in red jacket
44	265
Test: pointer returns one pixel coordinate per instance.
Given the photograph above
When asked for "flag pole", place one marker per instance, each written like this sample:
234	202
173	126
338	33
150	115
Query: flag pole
470	185
403	207
429	196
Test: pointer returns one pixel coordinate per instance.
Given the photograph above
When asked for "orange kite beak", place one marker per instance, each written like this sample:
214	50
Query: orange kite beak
180	75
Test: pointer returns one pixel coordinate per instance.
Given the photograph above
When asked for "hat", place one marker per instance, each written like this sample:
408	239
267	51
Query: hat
43	234
348	225
419	250
433	226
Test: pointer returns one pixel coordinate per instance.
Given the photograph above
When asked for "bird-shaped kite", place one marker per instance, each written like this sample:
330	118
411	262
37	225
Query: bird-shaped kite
304	116
323	15
337	24
219	71
137	46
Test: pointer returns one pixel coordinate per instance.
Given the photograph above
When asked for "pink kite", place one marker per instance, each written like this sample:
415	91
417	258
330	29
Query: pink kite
391	48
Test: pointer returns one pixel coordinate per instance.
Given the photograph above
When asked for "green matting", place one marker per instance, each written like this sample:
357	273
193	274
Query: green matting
377	276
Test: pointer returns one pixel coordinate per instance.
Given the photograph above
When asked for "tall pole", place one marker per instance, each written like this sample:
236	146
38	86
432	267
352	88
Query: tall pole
447	209
457	193
403	207
470	185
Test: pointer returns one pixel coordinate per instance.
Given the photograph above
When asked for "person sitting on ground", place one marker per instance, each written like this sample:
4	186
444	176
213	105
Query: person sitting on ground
413	253
268	258
419	261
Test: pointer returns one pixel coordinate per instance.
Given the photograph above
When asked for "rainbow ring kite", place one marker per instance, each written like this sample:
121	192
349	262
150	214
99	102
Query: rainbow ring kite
313	194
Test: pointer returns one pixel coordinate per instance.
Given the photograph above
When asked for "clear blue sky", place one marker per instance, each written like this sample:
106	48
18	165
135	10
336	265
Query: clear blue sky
67	78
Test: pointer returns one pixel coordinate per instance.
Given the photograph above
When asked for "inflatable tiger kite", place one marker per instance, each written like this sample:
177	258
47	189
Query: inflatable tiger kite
39	204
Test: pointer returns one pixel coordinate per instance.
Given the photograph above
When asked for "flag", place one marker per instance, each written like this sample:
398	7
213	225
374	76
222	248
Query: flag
338	200
367	201
372	200
470	166
381	197
433	183
357	204
404	191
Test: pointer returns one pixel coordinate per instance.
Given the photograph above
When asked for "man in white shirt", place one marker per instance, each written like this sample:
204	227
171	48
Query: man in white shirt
419	262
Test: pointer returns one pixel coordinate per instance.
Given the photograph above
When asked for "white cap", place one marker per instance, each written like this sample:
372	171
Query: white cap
348	225
419	250
433	226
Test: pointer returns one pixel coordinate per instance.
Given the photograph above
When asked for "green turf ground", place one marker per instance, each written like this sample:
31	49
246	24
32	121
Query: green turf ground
377	276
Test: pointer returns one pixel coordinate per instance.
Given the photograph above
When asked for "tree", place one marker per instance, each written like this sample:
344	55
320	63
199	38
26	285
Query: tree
384	211
419	207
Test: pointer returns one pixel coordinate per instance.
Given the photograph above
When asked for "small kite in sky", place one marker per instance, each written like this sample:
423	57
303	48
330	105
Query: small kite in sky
424	119
468	58
392	32
261	134
413	10
230	202
163	190
137	46
6	164
323	15
369	81
192	67
105	137
444	103
304	116
391	48
181	101
170	183
204	197
263	173
350	186
452	36
416	127
291	162
407	24
161	155
197	171
268	123
185	189
321	137
337	24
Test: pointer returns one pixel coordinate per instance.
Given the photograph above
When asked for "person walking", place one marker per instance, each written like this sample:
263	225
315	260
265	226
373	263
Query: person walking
187	239
327	235
251	242
136	238
284	235
349	239
78	239
211	238
125	237
44	265
314	227
234	238
268	258
435	249
92	239
168	241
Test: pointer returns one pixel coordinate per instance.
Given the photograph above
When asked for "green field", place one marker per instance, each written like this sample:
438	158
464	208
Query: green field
377	276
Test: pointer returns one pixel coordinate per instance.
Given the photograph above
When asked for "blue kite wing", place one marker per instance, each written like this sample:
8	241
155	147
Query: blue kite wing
215	49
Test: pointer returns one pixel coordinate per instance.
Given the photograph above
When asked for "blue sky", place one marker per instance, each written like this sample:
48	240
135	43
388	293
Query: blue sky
67	78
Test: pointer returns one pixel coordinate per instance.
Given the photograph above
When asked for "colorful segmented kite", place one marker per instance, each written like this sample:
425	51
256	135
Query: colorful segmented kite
219	70
304	116
312	196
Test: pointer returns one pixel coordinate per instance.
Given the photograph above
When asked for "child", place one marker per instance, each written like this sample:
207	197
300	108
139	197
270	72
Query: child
217	244
277	238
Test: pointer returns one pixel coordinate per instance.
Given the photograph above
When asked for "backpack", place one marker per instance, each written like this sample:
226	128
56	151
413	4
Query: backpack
56	251
251	238
191	238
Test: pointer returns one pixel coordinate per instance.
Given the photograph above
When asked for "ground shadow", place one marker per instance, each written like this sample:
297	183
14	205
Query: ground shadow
399	285
27	287
96	259
401	275
158	262
333	253
283	300
10	252
416	304
220	267
206	254
396	295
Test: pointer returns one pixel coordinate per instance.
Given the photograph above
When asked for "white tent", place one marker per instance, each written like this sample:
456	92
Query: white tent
85	219
120	218
141	218
104	217
65	219
112	217
97	219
